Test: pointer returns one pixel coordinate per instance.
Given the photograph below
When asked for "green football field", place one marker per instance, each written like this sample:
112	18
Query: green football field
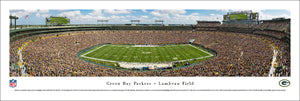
146	54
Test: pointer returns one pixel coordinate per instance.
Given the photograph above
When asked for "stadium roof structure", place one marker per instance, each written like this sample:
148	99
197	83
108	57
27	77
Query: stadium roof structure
159	20
277	20
134	20
102	20
13	17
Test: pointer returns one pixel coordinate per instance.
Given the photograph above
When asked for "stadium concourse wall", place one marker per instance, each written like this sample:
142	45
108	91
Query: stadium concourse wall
97	63
224	28
280	35
236	29
22	33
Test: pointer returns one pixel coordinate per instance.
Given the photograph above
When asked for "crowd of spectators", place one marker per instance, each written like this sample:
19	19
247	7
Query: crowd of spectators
237	54
207	28
208	23
278	25
238	25
276	34
14	58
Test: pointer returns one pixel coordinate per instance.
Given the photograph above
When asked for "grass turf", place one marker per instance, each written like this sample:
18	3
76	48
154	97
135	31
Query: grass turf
129	53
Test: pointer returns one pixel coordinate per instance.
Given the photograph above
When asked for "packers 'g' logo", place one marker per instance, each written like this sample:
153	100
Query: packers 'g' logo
284	83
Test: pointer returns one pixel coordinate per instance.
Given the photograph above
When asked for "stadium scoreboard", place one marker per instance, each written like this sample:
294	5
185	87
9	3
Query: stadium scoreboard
57	20
241	15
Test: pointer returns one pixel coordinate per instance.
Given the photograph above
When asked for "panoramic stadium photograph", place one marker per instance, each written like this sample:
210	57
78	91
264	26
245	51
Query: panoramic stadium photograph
149	43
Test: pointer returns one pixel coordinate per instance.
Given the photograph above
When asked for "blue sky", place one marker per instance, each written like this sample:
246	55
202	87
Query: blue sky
123	16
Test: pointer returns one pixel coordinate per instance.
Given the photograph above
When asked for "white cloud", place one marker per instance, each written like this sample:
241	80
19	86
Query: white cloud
45	15
144	10
19	13
116	17
166	12
61	10
91	18
129	16
37	14
125	20
224	10
269	17
16	10
43	10
186	18
195	14
145	17
263	16
192	18
70	14
22	13
97	12
117	11
173	11
157	13
31	10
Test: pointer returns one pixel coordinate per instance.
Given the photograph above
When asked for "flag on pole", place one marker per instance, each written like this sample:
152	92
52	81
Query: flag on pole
26	16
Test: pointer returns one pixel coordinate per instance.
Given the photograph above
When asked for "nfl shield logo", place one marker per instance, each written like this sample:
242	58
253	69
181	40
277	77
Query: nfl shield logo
13	83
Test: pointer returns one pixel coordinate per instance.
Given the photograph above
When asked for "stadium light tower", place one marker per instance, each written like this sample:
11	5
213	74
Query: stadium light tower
133	21
159	21
15	18
102	21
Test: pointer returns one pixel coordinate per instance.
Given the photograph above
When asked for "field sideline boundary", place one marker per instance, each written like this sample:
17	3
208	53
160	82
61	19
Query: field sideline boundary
93	50
202	50
209	55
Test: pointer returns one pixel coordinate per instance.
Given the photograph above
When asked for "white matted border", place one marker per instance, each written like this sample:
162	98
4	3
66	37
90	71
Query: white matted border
291	93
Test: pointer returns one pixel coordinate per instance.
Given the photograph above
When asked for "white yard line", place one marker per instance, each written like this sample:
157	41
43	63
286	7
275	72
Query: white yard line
93	50
127	59
124	55
181	54
98	59
194	58
202	50
210	55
